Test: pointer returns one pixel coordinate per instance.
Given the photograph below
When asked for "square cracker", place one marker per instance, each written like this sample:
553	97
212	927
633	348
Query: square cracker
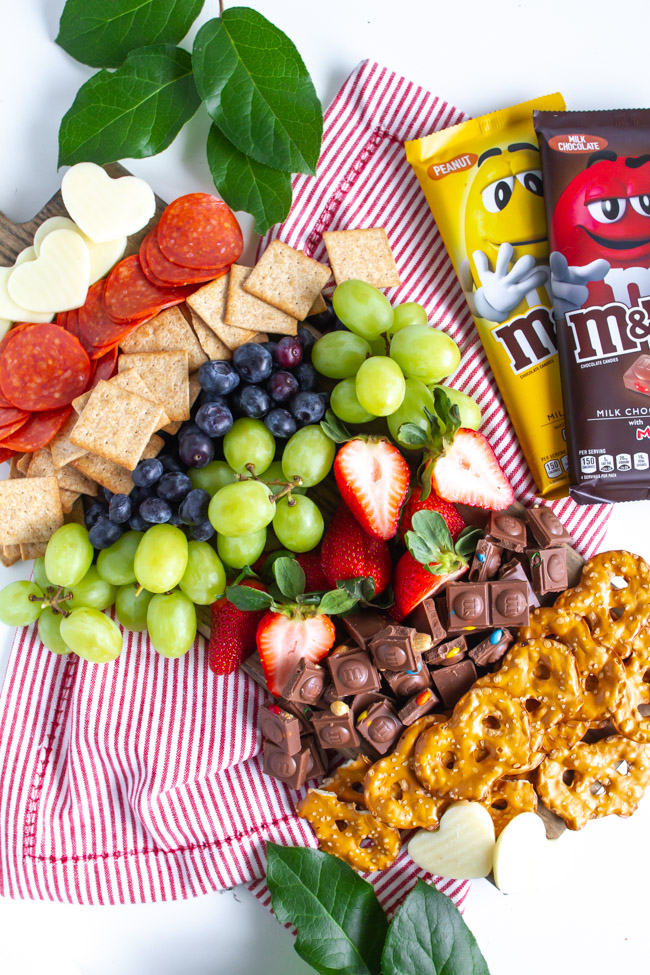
169	331
63	452
14	469
166	375
70	479
32	550
30	510
318	306
41	464
209	303
245	311
130	380
117	424
362	255
76	513
68	498
195	389
9	554
110	475
287	279
23	462
211	344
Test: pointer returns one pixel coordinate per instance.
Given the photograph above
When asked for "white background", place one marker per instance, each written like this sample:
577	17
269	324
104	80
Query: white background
479	56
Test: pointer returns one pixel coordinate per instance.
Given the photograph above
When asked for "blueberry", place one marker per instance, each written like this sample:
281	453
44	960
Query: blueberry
94	513
252	400
203	531
155	511
326	321
271	347
306	376
282	386
253	362
175	518
170	463
196	450
215	419
148	472
307	407
137	522
288	352
325	397
173	486
108	494
186	429
306	339
193	509
104	532
280	423
206	396
218	377
120	508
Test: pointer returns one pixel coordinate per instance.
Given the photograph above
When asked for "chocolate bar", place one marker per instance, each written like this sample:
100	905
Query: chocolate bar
292	769
380	726
452	682
549	569
515	570
363	625
361	702
405	684
280	727
424	702
548	531
491	649
507	531
446	654
425	619
637	377
306	684
486	561
353	672
335	730
392	648
468	606
509	602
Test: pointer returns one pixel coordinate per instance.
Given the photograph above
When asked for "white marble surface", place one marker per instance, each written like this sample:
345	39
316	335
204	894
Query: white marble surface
479	56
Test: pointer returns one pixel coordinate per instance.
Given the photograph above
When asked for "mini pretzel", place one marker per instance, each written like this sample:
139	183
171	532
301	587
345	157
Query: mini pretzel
564	734
393	794
347	781
628	719
590	781
352	834
506	799
487	736
600	673
614	615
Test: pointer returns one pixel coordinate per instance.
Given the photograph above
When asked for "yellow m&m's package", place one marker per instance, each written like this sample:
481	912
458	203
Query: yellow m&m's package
483	183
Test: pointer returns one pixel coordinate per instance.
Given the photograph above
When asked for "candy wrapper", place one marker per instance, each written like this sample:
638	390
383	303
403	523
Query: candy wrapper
483	183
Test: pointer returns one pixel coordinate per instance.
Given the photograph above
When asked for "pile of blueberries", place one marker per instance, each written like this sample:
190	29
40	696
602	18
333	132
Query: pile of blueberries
272	381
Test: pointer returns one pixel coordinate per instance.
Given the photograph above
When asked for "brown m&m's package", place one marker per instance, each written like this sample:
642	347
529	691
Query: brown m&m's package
596	168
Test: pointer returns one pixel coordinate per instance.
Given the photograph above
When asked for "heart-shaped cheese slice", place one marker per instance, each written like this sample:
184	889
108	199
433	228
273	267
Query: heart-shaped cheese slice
523	856
104	208
58	279
27	254
462	847
5	325
102	256
12	311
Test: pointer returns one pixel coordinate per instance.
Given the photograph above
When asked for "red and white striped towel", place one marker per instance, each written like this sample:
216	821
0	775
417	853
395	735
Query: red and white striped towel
141	780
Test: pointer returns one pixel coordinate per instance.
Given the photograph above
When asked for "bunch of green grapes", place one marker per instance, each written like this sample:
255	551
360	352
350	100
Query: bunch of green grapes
388	361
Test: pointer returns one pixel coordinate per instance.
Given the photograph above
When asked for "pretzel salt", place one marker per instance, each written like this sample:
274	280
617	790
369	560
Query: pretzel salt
347	781
506	799
628	719
352	834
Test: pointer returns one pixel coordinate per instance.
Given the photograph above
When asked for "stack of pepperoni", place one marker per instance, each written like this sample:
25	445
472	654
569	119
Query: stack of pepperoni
44	367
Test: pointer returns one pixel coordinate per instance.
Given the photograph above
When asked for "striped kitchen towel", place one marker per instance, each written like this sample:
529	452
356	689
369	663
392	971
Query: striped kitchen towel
141	780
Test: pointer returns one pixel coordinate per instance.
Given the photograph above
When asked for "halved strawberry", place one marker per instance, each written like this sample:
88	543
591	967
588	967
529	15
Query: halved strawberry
310	563
232	633
348	552
373	479
282	641
413	582
416	503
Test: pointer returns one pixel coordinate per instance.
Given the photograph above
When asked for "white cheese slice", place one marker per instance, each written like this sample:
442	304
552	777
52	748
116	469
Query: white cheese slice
102	256
28	254
13	312
463	845
104	208
5	325
523	857
59	277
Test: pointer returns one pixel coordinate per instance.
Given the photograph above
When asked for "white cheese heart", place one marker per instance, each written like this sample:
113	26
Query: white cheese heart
12	311
5	325
523	856
463	845
102	256
106	208
58	279
28	254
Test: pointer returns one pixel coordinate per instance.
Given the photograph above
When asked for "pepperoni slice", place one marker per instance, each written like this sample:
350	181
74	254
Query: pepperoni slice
104	367
199	231
9	414
160	271
7	429
6	454
43	367
130	296
62	319
38	431
11	334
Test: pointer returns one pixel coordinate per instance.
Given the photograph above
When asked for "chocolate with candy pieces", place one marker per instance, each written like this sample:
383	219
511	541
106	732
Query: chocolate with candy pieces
547	529
306	684
281	728
468	606
507	531
515	570
353	672
509	602
380	726
363	625
492	648
335	730
426	619
448	653
548	569
424	702
486	561
291	769
406	683
392	648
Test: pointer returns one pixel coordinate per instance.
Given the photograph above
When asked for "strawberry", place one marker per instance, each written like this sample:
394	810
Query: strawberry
413	582
348	552
373	479
283	640
310	563
232	633
416	503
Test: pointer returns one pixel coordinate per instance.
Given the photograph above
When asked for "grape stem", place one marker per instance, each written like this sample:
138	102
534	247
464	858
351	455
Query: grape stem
53	599
287	486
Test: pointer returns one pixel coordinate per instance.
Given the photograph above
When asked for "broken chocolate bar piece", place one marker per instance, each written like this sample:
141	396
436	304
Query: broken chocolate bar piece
486	561
380	726
306	684
291	769
361	702
509	602
363	625
280	727
468	606
446	654
549	569
407	683
507	531
392	648
353	672
492	648
316	759
514	569
424	702
335	730
452	682
548	531
425	619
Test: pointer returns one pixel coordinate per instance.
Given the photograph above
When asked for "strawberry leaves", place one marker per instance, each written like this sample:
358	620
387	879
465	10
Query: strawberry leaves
287	594
431	543
434	437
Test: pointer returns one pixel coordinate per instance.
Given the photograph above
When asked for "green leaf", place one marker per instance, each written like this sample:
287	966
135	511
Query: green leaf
337	601
101	33
447	412
289	577
429	937
334	428
467	541
412	434
432	527
133	112
267	568
243	597
257	90
341	926
246	184
361	588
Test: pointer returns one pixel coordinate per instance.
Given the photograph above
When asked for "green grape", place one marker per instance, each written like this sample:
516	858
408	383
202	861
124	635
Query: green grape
205	577
379	346
416	397
345	405
380	385
470	412
49	631
161	558
115	563
92	635
410	313
299	527
424	353
241	508
68	555
131	605
275	473
363	309
241	551
171	621
16	608
309	454
212	477
40	576
248	442
93	591
338	355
